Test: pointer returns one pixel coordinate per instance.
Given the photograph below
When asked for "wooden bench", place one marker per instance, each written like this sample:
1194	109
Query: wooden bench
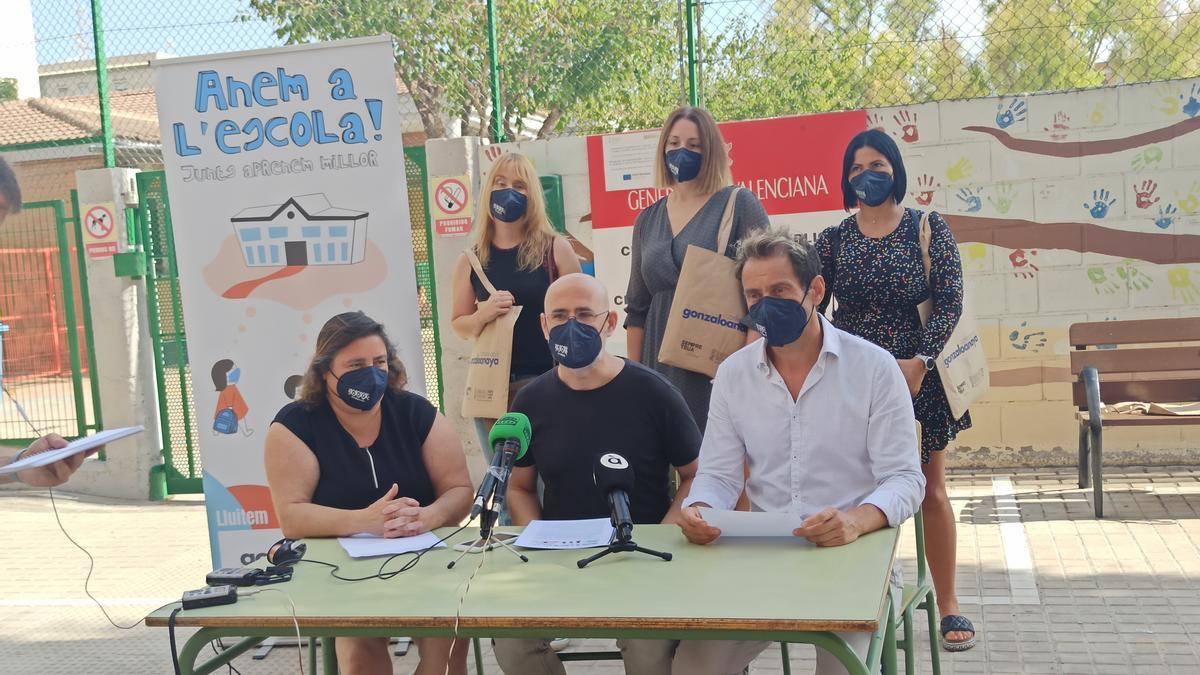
1118	352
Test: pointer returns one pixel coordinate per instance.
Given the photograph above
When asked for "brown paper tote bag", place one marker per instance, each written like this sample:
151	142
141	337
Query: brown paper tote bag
962	365
486	393
705	322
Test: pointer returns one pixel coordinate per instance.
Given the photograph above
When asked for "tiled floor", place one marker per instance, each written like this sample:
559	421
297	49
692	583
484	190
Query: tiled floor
1061	592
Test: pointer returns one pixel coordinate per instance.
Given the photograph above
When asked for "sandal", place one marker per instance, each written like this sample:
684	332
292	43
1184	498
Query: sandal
953	623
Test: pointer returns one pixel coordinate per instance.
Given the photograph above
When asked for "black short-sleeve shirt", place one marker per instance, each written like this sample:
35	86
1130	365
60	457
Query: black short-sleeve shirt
638	415
352	477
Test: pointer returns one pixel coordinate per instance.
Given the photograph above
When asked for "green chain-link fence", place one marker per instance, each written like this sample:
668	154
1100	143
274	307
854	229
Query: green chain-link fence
760	58
581	66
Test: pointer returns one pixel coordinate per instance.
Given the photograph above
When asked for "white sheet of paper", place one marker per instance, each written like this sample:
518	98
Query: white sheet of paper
75	447
566	534
368	545
751	523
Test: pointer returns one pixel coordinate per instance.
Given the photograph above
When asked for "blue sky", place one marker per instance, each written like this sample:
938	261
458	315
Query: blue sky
182	27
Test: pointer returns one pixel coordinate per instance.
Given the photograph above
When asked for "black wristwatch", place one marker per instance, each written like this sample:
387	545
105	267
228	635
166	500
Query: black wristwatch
929	361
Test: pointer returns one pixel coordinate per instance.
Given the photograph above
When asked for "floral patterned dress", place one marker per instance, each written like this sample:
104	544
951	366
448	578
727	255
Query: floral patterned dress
878	284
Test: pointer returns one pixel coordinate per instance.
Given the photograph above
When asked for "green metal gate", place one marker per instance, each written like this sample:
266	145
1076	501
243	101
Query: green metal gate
49	356
177	415
422	241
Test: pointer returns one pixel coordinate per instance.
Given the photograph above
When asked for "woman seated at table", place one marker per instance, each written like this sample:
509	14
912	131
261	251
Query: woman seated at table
356	453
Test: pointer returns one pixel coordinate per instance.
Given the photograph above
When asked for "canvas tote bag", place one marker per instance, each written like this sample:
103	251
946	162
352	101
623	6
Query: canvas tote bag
486	393
705	326
962	364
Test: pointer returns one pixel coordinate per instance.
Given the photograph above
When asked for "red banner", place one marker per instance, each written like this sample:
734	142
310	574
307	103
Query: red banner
793	164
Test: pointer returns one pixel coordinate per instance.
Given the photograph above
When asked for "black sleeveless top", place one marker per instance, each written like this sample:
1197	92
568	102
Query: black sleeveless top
530	353
352	477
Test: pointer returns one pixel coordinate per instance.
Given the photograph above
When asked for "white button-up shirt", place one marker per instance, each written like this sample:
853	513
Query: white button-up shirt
849	438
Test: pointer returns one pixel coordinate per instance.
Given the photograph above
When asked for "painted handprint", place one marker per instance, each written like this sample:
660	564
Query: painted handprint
1190	203
907	121
875	121
926	185
1165	100
1191	107
1136	280
1101	283
960	170
1182	286
1102	201
1166	217
1004	199
1144	193
970	199
1006	117
1058	129
974	257
1097	114
1023	267
1024	340
1148	158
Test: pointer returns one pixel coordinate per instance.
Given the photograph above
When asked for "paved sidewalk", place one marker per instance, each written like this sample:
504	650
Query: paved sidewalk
1060	591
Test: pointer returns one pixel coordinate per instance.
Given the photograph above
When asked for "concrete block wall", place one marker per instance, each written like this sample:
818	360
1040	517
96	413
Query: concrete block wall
1048	245
1044	238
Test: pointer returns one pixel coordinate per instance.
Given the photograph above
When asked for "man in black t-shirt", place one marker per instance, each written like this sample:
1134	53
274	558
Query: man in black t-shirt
594	403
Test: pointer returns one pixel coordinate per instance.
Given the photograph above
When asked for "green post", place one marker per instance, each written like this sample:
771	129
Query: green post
493	60
693	92
147	213
110	156
64	264
85	304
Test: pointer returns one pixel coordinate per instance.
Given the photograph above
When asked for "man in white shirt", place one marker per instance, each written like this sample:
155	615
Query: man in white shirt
823	420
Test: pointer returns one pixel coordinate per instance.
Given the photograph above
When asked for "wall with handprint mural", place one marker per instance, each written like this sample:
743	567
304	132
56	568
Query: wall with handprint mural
1068	207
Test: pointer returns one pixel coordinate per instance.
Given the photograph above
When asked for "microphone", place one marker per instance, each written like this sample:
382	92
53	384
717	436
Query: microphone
509	437
614	477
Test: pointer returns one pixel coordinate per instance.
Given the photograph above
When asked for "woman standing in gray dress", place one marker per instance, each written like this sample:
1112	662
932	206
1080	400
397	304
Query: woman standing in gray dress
693	162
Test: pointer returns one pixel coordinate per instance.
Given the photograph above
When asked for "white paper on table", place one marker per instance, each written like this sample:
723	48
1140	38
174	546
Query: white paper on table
751	523
368	545
566	534
73	448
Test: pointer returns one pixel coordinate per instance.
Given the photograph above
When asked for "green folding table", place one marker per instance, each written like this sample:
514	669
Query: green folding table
734	589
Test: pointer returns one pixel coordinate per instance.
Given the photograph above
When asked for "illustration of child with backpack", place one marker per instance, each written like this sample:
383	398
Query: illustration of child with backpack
231	407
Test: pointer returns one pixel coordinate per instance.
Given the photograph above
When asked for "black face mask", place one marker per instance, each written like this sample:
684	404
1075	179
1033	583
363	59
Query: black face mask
574	344
780	321
873	187
363	388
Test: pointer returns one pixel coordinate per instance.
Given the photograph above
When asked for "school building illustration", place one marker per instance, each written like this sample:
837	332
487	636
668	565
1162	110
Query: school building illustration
304	230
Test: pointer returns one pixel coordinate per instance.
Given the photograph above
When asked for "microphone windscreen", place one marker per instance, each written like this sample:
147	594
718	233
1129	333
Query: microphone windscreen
512	426
612	472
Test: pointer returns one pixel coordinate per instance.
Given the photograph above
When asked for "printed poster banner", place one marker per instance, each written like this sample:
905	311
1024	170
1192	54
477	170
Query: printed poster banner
286	174
793	165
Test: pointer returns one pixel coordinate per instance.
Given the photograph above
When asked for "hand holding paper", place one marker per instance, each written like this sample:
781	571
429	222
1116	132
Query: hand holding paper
50	460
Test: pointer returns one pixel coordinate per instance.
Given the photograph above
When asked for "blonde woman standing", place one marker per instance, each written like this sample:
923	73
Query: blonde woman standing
693	162
521	255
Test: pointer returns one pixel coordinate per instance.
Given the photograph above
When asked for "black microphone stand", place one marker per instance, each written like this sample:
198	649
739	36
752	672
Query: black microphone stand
623	543
487	538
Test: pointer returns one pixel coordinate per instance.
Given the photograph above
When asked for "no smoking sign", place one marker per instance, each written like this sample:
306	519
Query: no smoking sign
451	196
451	199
